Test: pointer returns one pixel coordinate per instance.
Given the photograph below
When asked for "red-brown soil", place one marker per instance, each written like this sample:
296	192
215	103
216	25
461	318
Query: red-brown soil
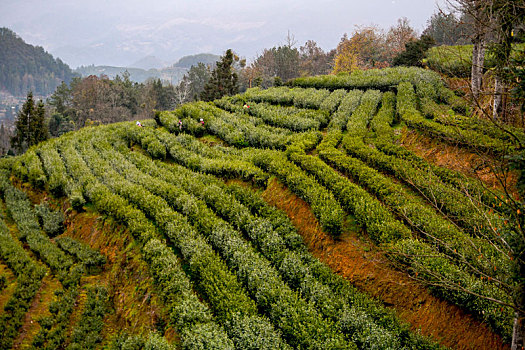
456	158
366	267
135	306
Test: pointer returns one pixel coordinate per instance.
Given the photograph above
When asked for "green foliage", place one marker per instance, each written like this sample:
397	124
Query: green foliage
54	328
281	117
52	222
223	80
87	333
456	60
260	279
346	108
24	67
331	103
3	282
380	79
182	149
153	342
20	209
358	121
239	130
90	258
433	227
29	276
222	290
291	267
231	271
30	126
414	52
381	123
33	171
407	109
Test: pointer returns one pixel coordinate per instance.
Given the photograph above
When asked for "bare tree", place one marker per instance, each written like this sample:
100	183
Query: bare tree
477	12
182	91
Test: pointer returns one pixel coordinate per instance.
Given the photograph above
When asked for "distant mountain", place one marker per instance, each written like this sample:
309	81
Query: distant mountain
135	74
172	74
192	60
25	67
149	62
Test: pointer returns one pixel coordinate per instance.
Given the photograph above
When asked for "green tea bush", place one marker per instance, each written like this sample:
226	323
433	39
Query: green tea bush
90	258
29	276
51	221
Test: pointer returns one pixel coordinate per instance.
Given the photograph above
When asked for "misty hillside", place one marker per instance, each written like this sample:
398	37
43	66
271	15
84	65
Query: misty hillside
149	62
308	216
24	67
192	60
172	74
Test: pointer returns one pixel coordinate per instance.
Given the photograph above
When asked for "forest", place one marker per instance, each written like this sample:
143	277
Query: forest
24	67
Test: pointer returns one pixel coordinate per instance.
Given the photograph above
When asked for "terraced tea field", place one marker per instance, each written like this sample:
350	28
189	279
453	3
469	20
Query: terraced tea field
292	217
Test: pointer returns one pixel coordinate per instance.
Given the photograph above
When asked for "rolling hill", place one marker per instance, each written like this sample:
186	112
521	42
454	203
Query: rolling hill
173	73
292	217
25	67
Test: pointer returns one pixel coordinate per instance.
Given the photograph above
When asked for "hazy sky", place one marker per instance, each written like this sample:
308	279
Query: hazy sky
119	32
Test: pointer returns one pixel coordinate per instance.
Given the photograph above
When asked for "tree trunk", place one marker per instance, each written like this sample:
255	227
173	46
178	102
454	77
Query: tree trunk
498	94
478	60
518	332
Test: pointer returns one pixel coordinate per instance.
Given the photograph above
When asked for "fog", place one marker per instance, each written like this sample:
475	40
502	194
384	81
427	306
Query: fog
121	32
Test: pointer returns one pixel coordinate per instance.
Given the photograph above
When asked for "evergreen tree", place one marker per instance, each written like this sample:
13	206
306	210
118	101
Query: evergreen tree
19	140
223	81
414	52
38	131
30	126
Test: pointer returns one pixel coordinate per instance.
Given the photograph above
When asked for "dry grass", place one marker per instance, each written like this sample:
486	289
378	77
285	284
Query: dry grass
6	293
39	308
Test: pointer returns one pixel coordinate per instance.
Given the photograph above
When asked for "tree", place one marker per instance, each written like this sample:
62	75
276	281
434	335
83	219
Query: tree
477	11
414	52
182	91
447	29
364	50
59	124
498	20
398	36
313	60
37	125
286	62
163	95
20	140
509	16
223	81
5	138
30	126
197	78
61	99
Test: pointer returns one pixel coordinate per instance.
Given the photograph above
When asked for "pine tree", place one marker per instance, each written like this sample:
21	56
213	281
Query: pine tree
38	131
30	126
19	140
223	81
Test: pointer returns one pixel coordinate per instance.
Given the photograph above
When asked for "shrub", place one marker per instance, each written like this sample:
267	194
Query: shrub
51	221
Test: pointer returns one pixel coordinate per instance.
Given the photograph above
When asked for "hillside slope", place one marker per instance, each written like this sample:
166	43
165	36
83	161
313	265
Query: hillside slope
25	67
363	225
